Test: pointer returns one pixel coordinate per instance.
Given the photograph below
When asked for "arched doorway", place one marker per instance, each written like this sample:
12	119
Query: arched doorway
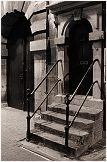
16	28
79	53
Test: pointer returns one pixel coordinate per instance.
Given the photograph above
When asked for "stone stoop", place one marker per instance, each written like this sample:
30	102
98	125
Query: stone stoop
85	132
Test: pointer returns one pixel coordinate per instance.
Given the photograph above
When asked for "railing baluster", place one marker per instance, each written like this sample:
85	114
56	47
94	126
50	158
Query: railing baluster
66	136
28	115
67	102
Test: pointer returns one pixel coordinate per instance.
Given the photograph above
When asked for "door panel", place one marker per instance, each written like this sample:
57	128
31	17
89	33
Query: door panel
80	58
15	74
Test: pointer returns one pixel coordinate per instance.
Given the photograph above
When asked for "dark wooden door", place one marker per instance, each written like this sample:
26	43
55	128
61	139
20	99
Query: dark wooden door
80	58
15	72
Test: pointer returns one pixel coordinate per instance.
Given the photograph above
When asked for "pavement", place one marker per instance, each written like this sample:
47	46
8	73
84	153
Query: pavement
13	130
14	146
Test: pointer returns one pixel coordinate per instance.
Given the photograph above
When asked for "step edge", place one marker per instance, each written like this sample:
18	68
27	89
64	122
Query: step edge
85	133
78	118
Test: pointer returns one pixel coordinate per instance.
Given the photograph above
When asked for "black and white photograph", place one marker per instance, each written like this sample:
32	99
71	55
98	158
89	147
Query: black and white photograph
53	80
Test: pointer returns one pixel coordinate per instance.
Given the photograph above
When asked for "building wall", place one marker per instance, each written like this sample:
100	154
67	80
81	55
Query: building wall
53	31
44	59
7	7
94	15
38	50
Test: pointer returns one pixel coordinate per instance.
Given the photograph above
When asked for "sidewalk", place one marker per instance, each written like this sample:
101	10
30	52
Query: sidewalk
13	129
13	133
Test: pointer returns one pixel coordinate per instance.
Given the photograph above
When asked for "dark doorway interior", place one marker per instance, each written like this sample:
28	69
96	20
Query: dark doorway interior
20	62
16	73
80	56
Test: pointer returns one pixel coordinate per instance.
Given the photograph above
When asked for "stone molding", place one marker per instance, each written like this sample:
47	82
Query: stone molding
61	40
38	26
38	45
96	35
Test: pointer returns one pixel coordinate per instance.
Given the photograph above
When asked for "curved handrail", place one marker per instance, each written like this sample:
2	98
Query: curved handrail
28	134
66	76
90	67
45	77
45	98
48	95
68	101
67	127
82	104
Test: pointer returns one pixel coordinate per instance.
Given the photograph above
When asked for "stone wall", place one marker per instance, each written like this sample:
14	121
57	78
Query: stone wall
44	33
94	15
38	49
4	56
44	59
53	77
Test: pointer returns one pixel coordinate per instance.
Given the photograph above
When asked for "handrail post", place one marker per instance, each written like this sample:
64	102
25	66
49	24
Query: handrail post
28	115
67	102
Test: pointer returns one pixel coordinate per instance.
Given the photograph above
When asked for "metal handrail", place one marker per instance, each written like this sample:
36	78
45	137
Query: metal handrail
67	127
22	6
68	101
28	134
66	76
90	67
45	77
82	104
29	94
45	97
62	85
48	95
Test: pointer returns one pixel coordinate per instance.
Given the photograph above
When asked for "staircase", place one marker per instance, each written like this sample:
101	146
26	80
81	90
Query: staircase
85	132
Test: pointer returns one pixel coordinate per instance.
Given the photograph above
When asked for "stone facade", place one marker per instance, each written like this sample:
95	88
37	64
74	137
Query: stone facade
47	28
94	15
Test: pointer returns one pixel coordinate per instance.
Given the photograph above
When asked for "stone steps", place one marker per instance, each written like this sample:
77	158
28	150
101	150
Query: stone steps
77	135
78	99
80	123
49	130
85	112
57	143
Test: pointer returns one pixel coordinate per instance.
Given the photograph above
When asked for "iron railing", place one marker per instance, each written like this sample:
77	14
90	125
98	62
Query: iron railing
66	76
29	94
67	127
64	79
68	101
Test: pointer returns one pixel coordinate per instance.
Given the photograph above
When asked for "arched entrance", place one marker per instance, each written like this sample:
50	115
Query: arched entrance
79	53
16	28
